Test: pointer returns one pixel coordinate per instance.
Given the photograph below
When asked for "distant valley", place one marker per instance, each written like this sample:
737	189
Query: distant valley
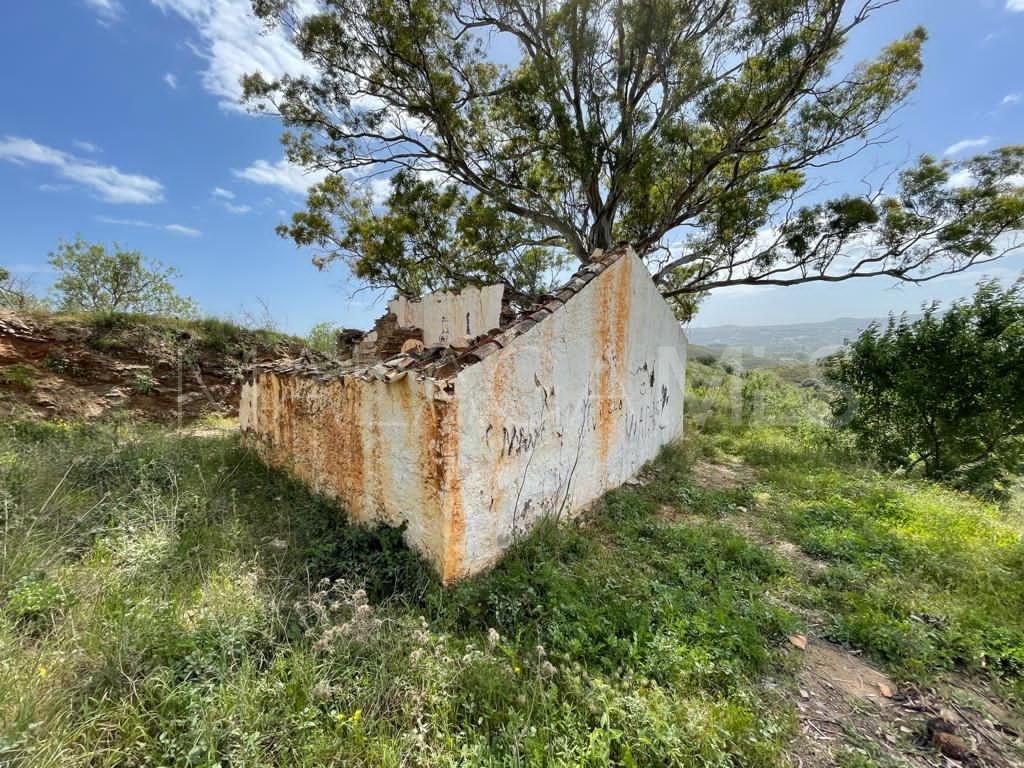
785	343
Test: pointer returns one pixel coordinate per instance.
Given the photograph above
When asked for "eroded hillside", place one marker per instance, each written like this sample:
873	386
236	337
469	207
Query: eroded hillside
80	367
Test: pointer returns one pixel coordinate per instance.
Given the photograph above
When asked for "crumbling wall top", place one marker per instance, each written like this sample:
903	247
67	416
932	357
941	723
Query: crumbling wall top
443	361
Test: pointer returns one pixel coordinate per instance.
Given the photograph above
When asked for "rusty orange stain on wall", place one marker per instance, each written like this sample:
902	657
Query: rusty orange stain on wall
345	453
604	348
451	495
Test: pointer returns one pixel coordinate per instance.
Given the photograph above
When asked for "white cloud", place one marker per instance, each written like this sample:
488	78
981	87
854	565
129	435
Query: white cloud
53	187
280	174
86	146
960	146
108	10
379	188
964	178
960	179
180	229
1011	98
123	222
234	43
225	197
171	80
1015	5
112	185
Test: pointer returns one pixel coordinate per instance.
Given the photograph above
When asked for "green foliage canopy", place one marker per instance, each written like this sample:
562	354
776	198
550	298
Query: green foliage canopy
93	279
943	391
322	338
694	129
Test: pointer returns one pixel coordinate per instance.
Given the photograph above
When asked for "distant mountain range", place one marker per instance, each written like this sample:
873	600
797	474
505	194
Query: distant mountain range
785	343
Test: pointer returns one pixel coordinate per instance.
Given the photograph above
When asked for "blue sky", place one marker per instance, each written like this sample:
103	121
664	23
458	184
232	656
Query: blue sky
120	122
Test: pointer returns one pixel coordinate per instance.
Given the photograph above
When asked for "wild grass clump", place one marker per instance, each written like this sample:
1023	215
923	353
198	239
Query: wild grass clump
168	600
925	579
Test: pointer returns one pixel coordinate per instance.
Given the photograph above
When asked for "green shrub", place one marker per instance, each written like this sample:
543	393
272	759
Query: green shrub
18	375
143	382
35	600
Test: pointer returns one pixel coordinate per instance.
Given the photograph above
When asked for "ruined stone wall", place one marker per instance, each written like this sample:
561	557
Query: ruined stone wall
537	420
567	411
446	316
381	449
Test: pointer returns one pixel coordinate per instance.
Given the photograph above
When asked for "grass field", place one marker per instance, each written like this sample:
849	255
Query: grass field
167	600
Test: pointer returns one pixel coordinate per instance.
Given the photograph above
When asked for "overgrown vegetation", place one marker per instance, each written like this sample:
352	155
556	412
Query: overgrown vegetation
168	600
192	606
923	578
125	330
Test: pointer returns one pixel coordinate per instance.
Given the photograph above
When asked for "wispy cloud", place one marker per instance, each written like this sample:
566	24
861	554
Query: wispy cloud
171	81
53	187
108	11
281	174
86	146
225	196
124	222
177	229
233	43
960	146
107	181
181	229
1015	5
1011	98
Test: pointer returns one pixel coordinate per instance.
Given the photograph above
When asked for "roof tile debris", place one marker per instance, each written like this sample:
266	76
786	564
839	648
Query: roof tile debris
442	363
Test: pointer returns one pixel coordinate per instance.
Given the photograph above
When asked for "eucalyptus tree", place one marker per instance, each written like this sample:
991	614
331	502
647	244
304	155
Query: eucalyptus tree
519	134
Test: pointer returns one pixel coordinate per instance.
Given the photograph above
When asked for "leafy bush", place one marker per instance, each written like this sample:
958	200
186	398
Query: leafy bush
322	338
943	391
60	363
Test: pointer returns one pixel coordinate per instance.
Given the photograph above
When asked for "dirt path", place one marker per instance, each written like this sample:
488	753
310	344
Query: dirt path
846	708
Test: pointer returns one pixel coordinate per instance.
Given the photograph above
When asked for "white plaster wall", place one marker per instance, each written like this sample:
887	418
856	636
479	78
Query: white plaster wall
379	448
444	316
567	411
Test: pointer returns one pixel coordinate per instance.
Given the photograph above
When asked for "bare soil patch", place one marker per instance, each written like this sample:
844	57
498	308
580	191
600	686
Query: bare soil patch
724	476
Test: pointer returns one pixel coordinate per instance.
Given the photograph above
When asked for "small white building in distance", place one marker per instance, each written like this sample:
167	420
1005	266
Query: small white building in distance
470	424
